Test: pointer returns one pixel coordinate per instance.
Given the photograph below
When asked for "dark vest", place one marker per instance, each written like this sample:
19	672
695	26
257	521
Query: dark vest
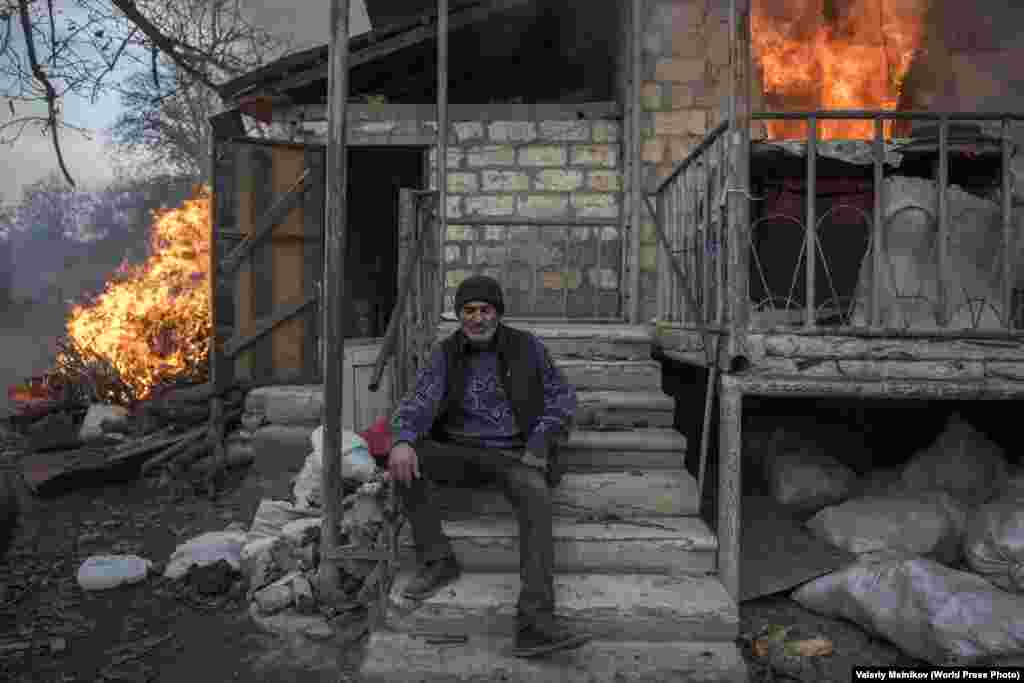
519	371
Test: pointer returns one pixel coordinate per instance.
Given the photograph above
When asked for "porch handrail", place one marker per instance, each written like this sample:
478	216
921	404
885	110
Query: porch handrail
408	277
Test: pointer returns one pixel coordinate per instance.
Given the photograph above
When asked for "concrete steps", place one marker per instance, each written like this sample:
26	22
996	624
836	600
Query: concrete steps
663	493
624	409
622	607
679	545
403	658
588	450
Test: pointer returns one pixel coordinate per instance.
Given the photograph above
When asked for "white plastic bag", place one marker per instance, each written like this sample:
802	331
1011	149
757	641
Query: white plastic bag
929	523
931	612
994	544
962	461
356	463
349	440
808	480
101	572
205	549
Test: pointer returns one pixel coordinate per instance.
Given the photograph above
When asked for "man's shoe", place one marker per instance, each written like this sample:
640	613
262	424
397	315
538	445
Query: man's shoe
432	577
539	639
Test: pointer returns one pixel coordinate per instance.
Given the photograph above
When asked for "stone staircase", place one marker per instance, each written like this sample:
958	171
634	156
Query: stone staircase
636	565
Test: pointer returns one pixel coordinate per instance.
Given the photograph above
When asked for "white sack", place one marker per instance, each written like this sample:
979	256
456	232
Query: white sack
930	523
206	549
271	518
962	461
994	544
931	612
808	480
356	463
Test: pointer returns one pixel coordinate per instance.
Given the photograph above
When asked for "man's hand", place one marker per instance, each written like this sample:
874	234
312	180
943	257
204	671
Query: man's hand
403	465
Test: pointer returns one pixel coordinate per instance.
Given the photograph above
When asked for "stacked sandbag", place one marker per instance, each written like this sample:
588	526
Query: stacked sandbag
356	465
994	543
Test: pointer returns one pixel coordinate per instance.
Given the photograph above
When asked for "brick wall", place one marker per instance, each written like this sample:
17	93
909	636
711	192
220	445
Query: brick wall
526	161
683	95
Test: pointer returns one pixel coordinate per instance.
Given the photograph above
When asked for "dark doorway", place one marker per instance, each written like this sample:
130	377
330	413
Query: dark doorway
371	265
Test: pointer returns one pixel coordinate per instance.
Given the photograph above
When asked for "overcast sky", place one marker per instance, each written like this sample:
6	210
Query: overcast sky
32	156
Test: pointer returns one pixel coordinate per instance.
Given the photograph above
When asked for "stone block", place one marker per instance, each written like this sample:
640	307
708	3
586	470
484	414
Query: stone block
594	155
652	150
565	131
558	180
680	146
491	155
455	157
505	181
460	233
652	96
374	127
491	205
454	206
543	206
542	155
604	181
648	232
649	258
680	69
682	96
717	35
452	253
682	122
595	205
466	131
606	131
463	182
512	131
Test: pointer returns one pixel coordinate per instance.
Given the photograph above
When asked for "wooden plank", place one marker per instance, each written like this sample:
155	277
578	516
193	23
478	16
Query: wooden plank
730	452
262	328
313	253
269	219
262	260
221	369
245	317
288	264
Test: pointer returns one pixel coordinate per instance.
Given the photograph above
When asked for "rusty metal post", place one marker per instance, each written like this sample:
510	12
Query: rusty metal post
1007	211
335	228
730	451
811	227
442	150
877	238
738	191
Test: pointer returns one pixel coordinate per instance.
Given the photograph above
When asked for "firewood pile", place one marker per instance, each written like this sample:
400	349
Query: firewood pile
185	433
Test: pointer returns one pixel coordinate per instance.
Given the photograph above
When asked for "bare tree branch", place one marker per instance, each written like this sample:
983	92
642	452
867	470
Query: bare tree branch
51	94
161	41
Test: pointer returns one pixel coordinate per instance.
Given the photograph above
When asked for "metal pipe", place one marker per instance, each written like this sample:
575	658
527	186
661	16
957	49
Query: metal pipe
876	229
336	227
738	191
1007	211
708	140
442	145
811	227
943	213
832	114
705	254
635	175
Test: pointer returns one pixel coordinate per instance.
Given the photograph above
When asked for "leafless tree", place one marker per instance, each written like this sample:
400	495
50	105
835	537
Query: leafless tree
50	49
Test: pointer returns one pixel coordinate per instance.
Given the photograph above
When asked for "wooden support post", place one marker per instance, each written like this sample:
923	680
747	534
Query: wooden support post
442	153
738	189
336	229
730	451
636	176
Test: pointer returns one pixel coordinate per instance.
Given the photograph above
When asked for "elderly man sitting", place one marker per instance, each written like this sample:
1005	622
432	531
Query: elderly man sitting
489	406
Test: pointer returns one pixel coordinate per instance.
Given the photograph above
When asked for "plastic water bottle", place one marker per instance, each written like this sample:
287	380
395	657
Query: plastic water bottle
109	571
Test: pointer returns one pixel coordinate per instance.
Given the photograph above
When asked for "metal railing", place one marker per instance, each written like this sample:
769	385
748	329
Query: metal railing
691	216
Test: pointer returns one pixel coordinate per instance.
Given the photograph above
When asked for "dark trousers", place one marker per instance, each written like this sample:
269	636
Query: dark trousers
526	489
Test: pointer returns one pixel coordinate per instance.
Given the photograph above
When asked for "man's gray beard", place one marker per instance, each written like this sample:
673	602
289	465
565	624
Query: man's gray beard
482	339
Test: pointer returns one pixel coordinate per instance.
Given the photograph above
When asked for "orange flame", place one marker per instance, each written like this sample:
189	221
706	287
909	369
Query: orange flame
833	54
152	322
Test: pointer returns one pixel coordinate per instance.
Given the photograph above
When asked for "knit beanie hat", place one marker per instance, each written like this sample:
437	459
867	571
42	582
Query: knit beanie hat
480	288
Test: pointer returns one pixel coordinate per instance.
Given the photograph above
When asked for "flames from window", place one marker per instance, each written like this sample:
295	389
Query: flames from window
834	54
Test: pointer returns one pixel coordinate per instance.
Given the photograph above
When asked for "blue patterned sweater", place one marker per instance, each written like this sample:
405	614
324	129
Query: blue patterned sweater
487	411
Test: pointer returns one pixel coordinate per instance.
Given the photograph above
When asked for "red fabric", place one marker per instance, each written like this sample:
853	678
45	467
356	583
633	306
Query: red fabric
378	438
